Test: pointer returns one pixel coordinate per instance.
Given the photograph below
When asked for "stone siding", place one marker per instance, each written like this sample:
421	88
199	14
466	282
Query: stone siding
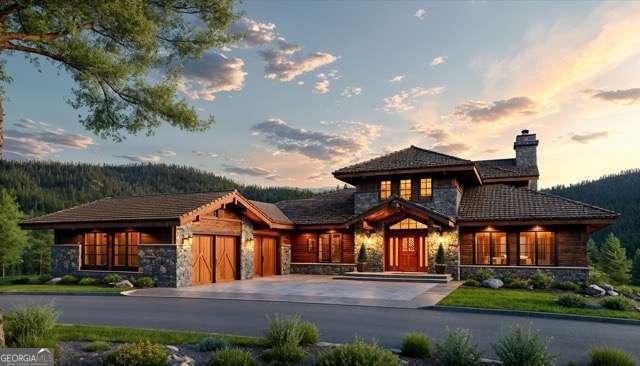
364	201
322	268
450	243
184	265
578	274
285	258
65	259
374	244
246	250
160	261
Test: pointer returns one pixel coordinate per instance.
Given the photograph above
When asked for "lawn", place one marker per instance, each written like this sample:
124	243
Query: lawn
524	300
58	289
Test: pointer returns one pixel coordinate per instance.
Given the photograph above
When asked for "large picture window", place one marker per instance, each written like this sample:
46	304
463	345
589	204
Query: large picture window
491	248
407	224
405	189
425	188
94	250
385	189
111	251
537	248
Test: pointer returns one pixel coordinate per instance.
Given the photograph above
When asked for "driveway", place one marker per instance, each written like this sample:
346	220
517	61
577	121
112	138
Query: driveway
571	338
313	289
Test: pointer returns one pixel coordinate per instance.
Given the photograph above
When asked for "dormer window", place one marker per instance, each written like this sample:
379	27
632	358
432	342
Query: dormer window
425	188
385	189
405	189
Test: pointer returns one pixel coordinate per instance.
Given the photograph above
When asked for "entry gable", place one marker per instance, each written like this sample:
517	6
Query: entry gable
395	209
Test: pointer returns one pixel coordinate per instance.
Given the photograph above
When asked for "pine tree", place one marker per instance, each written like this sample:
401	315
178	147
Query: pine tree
593	253
12	238
635	271
613	260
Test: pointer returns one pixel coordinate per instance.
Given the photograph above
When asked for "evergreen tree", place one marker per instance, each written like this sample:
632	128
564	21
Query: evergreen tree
635	271
613	260
593	253
12	238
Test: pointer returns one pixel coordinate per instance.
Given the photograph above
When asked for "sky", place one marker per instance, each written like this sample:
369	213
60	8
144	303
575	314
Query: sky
315	86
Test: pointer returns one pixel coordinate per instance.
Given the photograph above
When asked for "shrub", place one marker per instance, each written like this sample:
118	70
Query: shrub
362	254
482	274
231	357
141	353
566	285
284	354
310	334
42	278
284	330
441	257
471	283
572	301
96	346
416	344
358	353
506	278
626	290
143	282
541	280
522	348
597	277
20	280
68	280
30	326
457	350
610	356
112	278
517	283
88	281
617	303
207	344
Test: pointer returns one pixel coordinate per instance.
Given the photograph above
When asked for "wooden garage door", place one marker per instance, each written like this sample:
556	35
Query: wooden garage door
226	258
202	250
265	256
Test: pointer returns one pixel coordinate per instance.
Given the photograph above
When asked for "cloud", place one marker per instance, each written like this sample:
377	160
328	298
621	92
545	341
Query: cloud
253	33
397	78
281	64
166	153
438	61
249	171
443	139
351	91
420	14
204	154
452	148
405	99
588	137
623	96
140	158
37	140
314	144
300	82
480	111
211	74
322	84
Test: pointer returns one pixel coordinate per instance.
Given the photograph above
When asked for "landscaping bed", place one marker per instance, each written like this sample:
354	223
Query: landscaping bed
69	284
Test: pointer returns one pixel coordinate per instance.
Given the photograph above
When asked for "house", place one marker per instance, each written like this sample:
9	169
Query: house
404	205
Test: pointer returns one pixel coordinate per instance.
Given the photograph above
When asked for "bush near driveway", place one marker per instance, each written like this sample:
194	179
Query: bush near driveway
310	334
88	281
541	280
457	350
517	283
285	354
231	357
610	356
68	280
567	286
211	344
523	348
112	278
141	353
617	303
358	353
31	326
416	344
97	346
144	282
572	301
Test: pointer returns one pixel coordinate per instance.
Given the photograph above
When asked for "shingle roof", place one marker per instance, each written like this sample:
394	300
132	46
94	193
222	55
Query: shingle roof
410	158
133	208
272	211
504	168
330	208
504	202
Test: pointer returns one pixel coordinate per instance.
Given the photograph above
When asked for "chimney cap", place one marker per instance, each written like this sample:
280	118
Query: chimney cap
525	132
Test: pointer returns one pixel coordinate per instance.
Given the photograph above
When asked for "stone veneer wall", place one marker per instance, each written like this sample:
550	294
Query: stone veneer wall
65	259
246	250
160	261
285	258
450	242
578	274
322	268
374	244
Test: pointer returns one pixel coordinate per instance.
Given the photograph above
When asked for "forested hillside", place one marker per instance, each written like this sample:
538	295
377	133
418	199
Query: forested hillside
45	186
618	192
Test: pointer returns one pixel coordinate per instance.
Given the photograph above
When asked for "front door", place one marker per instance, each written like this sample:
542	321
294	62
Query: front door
265	256
406	252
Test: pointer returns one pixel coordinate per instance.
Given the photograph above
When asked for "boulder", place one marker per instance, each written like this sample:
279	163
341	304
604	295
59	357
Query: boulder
594	290
123	284
612	293
607	287
492	283
54	281
171	348
180	360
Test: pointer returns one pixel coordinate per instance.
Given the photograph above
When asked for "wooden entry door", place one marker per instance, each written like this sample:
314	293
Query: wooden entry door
265	256
202	251
407	252
226	258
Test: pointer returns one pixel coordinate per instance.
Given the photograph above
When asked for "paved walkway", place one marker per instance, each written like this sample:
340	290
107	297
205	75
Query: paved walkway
314	289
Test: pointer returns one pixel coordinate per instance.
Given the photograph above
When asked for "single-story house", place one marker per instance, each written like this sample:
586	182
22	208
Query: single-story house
404	205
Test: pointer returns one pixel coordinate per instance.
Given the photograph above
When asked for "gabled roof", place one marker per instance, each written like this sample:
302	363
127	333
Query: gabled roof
325	209
504	168
272	211
394	205
500	202
412	157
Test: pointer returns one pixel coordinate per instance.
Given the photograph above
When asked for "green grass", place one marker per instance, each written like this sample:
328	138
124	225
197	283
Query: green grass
58	289
6	280
524	300
91	333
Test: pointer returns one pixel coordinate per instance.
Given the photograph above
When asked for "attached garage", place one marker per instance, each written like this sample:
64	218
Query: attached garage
265	256
202	269
226	258
214	254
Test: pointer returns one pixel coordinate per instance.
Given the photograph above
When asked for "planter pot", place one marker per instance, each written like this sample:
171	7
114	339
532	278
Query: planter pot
441	268
362	266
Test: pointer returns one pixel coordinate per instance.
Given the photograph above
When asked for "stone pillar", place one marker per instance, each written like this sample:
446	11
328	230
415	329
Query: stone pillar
285	257
184	265
450	242
374	244
65	259
246	250
160	261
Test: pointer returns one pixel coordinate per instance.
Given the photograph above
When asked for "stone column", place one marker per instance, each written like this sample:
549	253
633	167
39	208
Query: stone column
65	259
374	244
246	250
450	242
285	257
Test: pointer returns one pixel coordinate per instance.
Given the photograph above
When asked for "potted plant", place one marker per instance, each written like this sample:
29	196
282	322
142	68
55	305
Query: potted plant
362	259
441	260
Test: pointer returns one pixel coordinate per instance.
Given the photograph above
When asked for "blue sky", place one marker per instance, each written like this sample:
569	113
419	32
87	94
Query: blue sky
319	85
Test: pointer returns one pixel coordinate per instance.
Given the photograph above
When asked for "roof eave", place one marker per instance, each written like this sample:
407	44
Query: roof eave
538	221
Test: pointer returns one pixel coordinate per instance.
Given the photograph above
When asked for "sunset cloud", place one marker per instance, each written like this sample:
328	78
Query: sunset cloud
405	100
480	111
351	91
140	158
420	14
249	171
282	65
588	137
166	153
322	85
452	148
622	96
37	140
211	74
253	33
438	61
397	78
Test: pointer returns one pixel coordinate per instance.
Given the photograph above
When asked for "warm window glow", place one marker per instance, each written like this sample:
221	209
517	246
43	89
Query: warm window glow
385	189
491	248
408	224
537	248
108	251
425	187
311	245
405	189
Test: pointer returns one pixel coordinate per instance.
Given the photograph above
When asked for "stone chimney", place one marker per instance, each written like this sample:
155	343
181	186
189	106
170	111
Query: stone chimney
526	146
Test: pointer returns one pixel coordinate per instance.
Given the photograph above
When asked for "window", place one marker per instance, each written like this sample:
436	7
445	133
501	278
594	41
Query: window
385	189
107	251
408	224
405	189
125	249
537	248
425	188
311	245
324	252
94	250
336	248
491	248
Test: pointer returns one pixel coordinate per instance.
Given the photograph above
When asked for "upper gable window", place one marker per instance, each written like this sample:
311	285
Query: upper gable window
407	224
425	188
405	189
385	189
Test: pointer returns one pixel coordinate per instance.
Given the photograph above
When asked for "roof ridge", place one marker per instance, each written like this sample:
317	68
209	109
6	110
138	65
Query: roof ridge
317	196
70	208
562	198
372	159
171	194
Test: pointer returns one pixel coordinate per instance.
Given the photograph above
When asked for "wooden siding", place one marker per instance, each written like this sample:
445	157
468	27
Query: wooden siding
573	249
153	235
301	253
466	248
213	225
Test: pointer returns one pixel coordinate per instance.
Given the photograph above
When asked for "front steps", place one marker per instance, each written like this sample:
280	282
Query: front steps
395	277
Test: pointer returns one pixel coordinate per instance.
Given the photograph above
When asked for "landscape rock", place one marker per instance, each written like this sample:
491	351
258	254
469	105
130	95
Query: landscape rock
595	290
489	361
492	283
612	293
123	284
327	344
171	348
637	307
180	360
54	281
607	287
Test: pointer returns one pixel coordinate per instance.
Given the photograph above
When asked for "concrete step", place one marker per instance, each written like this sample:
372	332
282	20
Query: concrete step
395	277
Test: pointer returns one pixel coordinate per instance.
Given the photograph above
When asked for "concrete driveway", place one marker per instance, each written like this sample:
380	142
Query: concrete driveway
314	289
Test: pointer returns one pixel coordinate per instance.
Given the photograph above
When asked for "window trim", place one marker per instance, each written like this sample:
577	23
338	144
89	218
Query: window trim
491	248
401	190
110	251
383	194
428	188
